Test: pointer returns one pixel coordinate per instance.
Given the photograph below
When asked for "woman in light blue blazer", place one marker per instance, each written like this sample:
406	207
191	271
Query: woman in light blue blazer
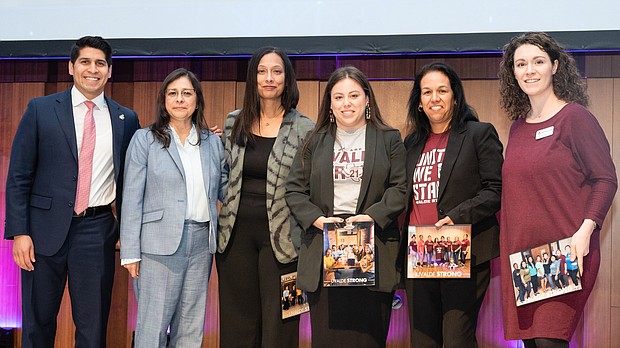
176	172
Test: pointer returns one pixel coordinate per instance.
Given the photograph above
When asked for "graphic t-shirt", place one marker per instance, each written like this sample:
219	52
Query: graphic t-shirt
439	249
426	180
349	151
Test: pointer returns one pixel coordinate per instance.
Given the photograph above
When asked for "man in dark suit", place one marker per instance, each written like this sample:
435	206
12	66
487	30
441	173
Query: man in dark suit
65	171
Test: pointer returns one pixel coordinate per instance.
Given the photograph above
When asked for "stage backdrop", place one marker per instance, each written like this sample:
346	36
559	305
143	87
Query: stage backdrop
136	81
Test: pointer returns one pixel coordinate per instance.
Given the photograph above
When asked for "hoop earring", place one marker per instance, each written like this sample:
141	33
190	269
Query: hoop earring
367	112
332	119
420	108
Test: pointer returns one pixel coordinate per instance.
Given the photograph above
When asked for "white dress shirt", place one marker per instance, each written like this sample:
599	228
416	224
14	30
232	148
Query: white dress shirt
102	184
197	208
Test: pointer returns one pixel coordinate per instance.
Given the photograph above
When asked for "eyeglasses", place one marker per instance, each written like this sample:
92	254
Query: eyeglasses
185	93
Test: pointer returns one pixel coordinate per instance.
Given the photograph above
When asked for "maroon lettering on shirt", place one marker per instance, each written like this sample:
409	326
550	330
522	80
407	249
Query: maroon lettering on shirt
349	164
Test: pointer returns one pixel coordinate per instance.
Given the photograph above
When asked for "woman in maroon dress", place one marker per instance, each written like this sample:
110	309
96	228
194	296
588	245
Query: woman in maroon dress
558	180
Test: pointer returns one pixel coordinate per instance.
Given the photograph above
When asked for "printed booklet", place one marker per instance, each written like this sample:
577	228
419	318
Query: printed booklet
294	301
349	254
544	271
439	252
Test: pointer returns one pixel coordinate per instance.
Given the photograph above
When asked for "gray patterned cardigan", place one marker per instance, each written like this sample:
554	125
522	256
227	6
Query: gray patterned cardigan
285	233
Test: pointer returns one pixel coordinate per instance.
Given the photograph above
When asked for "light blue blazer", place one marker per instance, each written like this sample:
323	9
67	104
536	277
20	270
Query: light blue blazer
154	195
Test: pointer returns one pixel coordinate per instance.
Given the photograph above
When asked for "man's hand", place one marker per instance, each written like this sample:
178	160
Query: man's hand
23	252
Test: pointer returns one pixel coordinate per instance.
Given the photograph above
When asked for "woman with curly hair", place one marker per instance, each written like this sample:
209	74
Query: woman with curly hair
558	180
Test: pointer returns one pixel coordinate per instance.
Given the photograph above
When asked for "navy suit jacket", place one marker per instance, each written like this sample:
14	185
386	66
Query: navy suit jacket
43	170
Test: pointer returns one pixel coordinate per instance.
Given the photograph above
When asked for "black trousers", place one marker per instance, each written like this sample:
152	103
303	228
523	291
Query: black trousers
87	258
444	312
349	317
249	284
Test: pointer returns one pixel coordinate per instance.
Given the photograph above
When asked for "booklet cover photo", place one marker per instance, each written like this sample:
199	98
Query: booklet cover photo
443	252
349	254
544	271
294	300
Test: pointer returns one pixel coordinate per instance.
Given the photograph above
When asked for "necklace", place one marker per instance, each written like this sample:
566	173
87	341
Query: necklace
270	120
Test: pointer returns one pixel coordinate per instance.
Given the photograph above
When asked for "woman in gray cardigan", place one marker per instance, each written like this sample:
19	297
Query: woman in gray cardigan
257	234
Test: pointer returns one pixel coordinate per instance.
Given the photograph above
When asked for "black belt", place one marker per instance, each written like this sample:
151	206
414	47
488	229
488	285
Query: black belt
93	211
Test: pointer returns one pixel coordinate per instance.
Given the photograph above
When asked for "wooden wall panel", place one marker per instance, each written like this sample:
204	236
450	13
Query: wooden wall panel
118	322
122	93
145	70
485	67
598	309
239	95
598	66
483	96
401	68
308	98
615	324
145	101
603	65
392	98
219	100
24	71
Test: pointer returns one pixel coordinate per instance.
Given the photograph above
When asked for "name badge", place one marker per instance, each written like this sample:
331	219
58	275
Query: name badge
543	133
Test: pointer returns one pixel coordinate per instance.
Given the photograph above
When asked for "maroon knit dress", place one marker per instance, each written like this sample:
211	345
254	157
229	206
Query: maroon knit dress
549	186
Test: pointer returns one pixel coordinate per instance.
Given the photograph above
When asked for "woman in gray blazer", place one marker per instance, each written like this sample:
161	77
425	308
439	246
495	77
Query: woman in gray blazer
352	167
175	172
258	238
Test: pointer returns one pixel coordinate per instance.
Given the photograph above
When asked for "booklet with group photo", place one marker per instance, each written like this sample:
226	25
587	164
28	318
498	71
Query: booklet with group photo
294	300
544	271
443	252
349	254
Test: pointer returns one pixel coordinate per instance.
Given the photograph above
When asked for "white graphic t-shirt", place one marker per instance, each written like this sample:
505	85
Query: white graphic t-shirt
349	150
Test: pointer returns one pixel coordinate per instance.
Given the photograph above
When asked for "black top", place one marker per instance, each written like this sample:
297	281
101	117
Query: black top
255	165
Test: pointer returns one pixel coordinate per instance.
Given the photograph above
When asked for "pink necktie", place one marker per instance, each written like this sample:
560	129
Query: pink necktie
85	160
